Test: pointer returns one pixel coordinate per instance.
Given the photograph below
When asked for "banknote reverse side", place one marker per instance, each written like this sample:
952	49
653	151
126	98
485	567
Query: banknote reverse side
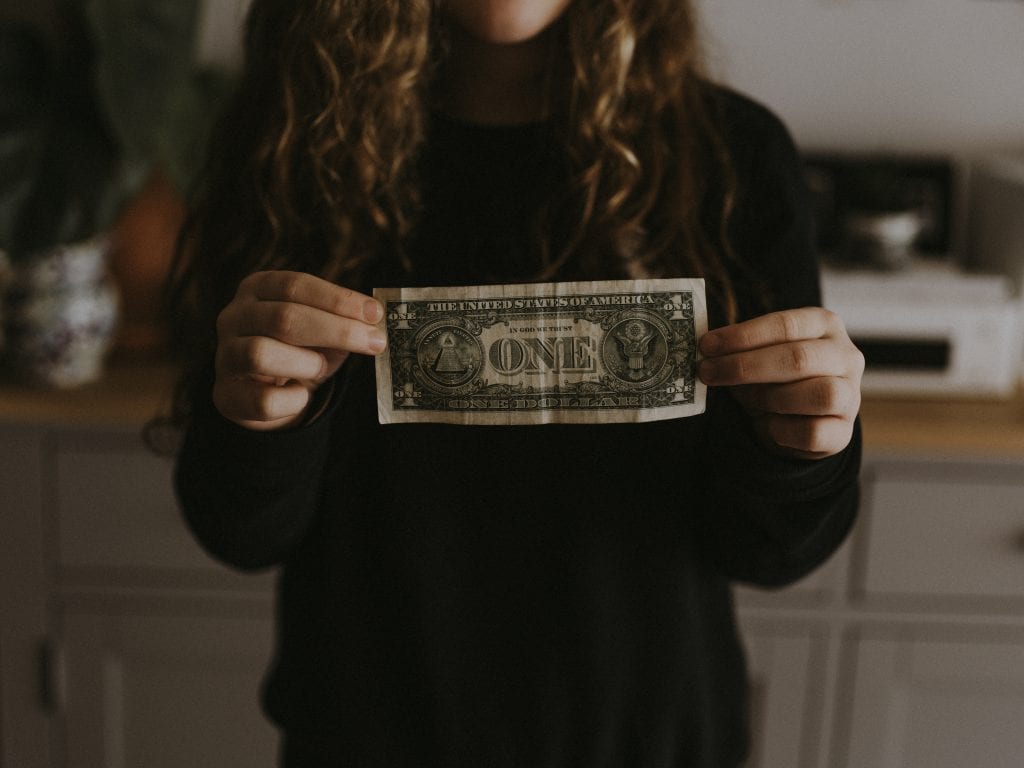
587	352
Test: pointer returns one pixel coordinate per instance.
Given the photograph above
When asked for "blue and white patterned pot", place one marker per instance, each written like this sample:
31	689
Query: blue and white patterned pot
61	315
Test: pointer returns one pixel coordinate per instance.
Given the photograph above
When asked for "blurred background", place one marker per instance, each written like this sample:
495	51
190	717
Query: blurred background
122	645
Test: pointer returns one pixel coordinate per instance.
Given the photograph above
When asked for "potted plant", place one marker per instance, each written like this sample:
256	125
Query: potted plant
114	110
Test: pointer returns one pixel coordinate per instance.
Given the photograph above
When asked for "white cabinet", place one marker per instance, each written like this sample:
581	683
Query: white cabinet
24	718
786	665
912	636
906	650
132	647
949	535
935	697
161	690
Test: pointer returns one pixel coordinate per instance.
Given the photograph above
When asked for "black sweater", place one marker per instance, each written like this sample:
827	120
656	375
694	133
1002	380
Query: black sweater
524	596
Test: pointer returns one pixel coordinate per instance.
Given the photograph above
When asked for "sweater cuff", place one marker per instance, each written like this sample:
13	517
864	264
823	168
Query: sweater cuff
272	454
760	473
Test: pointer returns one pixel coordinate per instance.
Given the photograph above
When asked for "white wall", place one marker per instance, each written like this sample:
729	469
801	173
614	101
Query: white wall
907	75
911	75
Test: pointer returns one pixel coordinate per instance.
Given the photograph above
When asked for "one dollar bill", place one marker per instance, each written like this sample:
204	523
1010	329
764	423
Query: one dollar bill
584	352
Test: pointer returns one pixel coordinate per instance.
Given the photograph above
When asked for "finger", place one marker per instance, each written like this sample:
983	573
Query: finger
256	404
779	363
771	329
249	356
808	436
312	291
305	326
822	396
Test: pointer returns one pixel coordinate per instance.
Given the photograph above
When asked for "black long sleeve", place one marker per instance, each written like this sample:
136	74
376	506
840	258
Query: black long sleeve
772	519
249	497
524	596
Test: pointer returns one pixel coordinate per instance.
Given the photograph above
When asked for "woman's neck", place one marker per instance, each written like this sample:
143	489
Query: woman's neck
496	84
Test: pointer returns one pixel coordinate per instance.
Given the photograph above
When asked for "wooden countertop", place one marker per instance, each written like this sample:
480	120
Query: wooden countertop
131	392
134	391
953	427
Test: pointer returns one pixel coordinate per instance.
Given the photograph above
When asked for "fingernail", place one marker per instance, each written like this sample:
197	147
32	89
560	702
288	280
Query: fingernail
373	311
376	341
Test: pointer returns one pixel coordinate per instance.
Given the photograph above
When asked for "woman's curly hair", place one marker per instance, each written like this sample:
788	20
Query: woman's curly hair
314	167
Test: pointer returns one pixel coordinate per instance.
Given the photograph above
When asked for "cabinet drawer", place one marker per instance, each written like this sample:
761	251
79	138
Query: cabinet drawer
953	533
116	519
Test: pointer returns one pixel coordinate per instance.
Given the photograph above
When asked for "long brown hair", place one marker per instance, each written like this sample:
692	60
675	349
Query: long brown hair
314	166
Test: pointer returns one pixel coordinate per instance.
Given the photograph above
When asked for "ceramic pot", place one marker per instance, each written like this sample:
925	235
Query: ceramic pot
881	240
61	315
143	242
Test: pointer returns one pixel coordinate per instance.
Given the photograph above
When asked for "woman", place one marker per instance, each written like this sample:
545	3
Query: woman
503	596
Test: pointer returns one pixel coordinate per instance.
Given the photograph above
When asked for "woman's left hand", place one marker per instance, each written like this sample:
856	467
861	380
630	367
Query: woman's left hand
796	373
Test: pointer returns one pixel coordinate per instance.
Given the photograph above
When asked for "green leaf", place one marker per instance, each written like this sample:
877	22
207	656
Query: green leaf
194	109
144	52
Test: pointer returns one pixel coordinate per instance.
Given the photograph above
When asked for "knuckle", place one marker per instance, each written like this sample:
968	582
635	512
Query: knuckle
816	436
246	283
832	321
857	361
789	325
290	286
781	431
800	359
825	395
283	321
829	436
843	399
250	283
735	368
796	433
254	355
264	403
343	298
811	435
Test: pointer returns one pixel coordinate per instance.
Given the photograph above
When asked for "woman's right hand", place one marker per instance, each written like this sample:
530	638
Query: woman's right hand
280	338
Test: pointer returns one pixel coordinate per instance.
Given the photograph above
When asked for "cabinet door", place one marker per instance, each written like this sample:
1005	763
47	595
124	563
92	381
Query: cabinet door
935	699
786	666
116	521
166	691
164	648
24	720
945	534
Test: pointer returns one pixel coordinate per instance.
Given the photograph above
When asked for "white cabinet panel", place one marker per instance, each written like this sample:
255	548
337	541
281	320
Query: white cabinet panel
946	535
935	700
166	692
786	677
24	721
116	521
115	508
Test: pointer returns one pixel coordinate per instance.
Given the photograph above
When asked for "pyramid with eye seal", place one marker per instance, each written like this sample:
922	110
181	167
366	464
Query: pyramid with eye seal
448	360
